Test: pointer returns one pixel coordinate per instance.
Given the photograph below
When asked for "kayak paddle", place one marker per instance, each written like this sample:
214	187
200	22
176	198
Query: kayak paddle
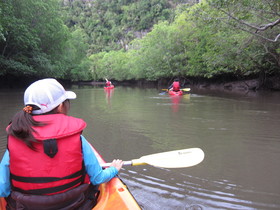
172	159
163	93
186	89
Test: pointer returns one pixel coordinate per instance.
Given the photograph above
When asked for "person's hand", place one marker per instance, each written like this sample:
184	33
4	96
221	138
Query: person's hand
117	164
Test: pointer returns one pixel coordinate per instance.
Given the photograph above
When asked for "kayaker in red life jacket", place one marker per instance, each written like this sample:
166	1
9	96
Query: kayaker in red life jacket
108	83
175	86
48	164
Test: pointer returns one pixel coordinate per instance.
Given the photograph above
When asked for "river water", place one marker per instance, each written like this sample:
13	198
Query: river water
239	134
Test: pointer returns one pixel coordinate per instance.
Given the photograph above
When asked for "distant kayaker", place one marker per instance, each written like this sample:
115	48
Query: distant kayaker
175	86
108	83
48	164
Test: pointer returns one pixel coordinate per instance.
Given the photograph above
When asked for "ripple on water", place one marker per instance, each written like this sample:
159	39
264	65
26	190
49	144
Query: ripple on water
155	193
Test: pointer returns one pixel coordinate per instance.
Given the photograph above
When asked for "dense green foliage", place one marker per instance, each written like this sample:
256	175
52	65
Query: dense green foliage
132	39
33	38
200	43
111	25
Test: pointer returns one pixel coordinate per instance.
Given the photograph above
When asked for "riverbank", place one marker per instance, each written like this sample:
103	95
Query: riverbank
227	84
230	84
272	84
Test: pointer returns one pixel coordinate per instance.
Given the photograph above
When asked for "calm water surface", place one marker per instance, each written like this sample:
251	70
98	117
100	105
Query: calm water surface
239	134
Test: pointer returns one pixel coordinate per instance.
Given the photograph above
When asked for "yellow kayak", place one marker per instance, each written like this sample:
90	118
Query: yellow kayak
113	195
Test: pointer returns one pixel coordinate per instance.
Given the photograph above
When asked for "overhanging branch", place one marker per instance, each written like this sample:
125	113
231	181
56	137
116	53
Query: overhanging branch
260	28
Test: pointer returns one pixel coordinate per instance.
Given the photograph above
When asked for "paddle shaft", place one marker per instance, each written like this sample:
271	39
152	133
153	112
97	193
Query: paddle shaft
183	89
125	163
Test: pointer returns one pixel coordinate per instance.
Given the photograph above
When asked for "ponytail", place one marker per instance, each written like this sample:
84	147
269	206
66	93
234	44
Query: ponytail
22	125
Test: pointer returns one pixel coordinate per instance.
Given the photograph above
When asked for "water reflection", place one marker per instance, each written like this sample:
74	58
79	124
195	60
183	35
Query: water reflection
109	93
175	100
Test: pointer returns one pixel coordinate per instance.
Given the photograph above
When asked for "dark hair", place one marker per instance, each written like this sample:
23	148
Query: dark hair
21	127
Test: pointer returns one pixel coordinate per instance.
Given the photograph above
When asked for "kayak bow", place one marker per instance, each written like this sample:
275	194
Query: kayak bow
109	87
114	194
175	93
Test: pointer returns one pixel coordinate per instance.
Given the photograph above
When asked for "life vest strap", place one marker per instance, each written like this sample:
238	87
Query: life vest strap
51	190
45	179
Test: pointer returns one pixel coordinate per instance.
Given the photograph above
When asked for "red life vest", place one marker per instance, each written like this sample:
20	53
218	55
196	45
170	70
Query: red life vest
57	164
108	83
176	86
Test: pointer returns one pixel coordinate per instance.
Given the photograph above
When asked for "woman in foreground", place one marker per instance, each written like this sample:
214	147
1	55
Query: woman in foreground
48	164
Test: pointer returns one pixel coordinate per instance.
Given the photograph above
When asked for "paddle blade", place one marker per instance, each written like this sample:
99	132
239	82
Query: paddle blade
173	159
186	89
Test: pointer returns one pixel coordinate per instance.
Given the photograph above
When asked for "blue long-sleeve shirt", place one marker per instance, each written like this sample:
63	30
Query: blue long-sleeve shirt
94	170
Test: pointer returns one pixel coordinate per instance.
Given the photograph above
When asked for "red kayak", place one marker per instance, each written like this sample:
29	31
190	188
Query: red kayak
175	93
109	87
113	195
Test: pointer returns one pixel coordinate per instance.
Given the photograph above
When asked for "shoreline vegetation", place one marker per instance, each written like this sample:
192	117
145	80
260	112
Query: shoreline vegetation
254	84
212	44
271	84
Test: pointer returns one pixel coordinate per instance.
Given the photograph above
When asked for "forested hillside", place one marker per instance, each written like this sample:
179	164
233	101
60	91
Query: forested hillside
111	25
132	39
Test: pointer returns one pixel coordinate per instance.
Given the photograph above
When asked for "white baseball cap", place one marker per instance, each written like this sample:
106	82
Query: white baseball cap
46	94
